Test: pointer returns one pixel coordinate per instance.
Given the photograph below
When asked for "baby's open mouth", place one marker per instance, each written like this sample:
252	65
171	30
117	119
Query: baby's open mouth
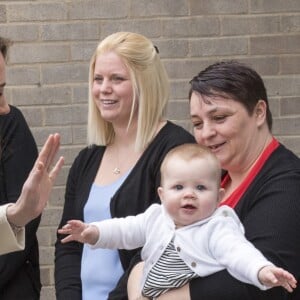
188	206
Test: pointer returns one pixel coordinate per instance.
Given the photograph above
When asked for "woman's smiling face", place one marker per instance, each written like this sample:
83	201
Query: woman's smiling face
225	126
112	88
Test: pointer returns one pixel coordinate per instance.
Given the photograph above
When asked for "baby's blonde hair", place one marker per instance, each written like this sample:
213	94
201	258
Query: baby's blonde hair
189	152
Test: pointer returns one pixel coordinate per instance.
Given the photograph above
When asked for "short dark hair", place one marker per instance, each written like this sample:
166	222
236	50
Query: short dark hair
4	45
234	79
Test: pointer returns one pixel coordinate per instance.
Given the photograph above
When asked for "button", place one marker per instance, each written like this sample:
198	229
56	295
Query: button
178	249
225	213
193	264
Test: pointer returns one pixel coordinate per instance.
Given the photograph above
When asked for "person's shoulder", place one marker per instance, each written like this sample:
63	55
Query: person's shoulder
170	136
87	157
17	131
225	211
226	216
172	127
284	151
14	113
90	151
172	131
154	213
154	208
284	159
13	109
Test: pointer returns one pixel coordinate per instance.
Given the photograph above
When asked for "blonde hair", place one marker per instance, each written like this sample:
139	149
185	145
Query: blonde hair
188	152
150	87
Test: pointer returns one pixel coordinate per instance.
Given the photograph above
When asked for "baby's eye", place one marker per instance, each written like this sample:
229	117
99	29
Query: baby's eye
178	187
200	187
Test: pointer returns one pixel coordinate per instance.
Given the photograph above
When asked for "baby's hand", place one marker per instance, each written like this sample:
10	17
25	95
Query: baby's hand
272	276
80	232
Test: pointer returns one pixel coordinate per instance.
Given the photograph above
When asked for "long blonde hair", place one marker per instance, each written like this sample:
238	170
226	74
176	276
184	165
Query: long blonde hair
150	87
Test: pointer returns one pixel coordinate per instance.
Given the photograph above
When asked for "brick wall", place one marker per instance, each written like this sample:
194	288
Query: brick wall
53	41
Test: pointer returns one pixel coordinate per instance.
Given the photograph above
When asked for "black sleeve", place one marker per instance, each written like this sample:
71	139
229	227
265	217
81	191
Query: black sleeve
18	154
272	221
68	256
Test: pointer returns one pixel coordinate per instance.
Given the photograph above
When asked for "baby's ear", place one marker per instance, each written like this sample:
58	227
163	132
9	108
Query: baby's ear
160	192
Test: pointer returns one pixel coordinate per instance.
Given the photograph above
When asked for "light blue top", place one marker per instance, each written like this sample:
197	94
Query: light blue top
100	268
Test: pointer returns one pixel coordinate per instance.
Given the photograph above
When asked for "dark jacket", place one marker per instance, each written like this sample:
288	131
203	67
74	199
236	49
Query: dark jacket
138	192
270	213
19	271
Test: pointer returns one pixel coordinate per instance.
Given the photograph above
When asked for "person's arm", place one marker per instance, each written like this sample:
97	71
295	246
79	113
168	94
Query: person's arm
79	231
272	276
117	233
33	198
133	288
68	256
37	188
11	240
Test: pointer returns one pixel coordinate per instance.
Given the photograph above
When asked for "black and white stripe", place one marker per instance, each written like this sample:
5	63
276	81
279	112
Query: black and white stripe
169	272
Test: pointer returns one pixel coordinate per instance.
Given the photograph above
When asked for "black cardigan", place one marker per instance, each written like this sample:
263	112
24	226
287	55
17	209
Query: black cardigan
19	271
270	213
138	192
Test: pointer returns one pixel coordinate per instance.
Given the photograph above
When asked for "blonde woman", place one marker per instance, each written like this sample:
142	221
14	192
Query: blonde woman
118	173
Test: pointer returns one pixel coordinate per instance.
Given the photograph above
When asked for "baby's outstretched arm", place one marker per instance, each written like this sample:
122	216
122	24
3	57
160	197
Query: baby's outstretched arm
272	276
80	232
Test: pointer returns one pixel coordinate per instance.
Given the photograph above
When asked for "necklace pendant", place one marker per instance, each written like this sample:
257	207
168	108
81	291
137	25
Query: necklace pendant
116	171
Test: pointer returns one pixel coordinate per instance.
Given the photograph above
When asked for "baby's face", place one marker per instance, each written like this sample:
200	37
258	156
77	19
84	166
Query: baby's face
190	191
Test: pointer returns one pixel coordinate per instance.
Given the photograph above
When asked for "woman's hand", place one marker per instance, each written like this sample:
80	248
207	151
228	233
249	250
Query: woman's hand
36	189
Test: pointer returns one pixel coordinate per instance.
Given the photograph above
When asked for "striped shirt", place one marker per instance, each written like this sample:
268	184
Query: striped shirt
169	272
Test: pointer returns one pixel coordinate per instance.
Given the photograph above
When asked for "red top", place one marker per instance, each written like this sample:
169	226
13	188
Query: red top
236	195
